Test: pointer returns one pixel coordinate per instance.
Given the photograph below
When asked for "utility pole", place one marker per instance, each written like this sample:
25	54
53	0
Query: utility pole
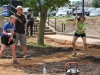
10	6
0	3
82	7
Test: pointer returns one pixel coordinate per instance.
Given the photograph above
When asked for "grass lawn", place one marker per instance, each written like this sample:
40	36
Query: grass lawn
61	20
0	11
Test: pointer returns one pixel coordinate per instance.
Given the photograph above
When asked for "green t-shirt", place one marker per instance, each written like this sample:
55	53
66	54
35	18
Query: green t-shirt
80	26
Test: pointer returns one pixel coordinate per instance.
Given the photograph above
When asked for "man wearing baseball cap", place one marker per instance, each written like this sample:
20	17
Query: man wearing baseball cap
20	30
19	7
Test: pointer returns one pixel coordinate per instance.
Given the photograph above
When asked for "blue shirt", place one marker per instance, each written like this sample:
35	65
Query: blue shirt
8	28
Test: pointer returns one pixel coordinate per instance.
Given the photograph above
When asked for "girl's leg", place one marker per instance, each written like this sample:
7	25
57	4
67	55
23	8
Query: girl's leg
73	43
13	52
85	45
2	49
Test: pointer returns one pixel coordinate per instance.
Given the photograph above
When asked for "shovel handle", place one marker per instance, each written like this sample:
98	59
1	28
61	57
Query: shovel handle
68	63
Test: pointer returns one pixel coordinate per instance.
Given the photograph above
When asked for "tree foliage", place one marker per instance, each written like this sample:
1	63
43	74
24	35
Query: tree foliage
48	4
43	6
95	3
25	4
76	3
4	2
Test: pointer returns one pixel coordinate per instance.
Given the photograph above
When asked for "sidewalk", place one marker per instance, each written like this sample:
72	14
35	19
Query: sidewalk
68	37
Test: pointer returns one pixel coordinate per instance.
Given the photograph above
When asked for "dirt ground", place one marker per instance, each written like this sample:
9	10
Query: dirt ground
55	57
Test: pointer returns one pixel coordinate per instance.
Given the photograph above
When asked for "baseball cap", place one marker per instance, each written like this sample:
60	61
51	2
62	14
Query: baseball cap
19	7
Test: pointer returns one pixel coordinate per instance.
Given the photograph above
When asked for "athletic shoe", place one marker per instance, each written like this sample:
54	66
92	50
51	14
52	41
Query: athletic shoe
27	57
86	55
74	54
16	62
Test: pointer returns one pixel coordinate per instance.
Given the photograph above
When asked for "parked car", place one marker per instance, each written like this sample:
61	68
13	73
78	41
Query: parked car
69	11
87	12
60	9
95	13
53	13
98	9
61	13
79	12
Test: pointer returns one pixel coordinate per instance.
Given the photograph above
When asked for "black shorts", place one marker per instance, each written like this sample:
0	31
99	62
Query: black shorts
4	41
80	35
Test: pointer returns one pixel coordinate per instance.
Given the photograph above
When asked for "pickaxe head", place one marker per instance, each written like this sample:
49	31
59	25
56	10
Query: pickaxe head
75	8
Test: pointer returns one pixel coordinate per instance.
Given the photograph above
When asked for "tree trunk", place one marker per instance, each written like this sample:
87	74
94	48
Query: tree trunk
43	17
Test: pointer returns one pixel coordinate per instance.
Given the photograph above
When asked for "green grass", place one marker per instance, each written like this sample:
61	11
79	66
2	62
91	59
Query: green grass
65	18
62	19
0	11
36	45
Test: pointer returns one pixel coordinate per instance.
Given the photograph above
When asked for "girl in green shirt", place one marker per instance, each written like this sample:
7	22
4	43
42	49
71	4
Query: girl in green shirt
81	26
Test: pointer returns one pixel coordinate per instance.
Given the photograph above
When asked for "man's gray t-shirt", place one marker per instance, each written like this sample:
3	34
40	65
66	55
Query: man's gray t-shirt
30	16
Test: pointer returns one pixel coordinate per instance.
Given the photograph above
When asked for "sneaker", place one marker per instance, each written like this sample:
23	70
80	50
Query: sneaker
27	34
74	54
27	56
86	55
16	62
31	36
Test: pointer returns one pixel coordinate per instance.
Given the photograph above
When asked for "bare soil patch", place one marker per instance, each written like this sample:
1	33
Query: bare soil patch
54	58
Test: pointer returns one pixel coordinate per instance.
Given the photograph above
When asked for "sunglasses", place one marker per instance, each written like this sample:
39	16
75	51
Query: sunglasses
82	20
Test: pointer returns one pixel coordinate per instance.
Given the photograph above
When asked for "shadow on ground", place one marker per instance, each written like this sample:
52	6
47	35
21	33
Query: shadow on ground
87	65
36	51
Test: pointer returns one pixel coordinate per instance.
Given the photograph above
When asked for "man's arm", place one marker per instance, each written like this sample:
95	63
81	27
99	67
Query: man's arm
25	26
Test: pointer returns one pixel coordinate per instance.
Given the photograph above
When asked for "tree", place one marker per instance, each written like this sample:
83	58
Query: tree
4	2
95	3
76	3
25	4
43	6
